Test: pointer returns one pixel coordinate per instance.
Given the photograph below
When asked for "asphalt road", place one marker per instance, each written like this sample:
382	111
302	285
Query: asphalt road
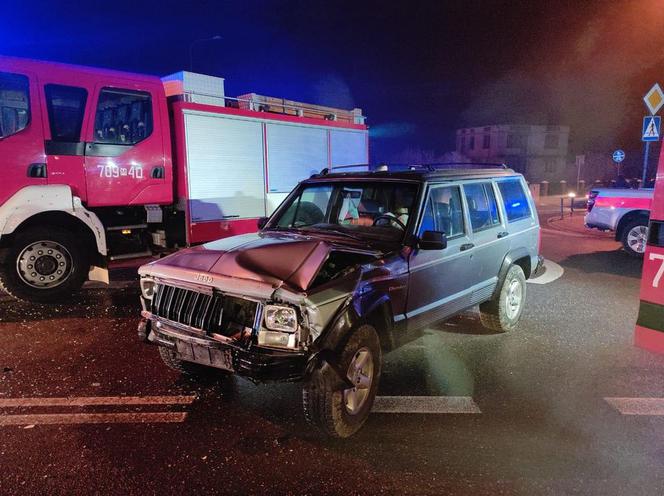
528	410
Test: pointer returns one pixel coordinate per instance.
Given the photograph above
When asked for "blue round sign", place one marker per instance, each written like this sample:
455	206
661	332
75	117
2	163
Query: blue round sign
618	156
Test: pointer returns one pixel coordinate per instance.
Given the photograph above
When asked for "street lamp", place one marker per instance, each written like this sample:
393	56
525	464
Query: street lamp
216	37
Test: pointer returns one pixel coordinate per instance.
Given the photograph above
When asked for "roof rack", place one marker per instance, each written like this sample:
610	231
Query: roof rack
332	168
439	166
461	165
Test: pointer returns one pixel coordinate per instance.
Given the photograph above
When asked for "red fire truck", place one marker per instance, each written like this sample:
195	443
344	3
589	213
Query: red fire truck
99	165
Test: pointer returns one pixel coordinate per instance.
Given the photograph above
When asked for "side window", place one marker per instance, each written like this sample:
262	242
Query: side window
66	108
14	103
443	211
515	199
482	205
124	117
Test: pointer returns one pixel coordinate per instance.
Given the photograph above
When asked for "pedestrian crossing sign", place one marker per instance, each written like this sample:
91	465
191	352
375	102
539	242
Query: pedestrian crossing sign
651	128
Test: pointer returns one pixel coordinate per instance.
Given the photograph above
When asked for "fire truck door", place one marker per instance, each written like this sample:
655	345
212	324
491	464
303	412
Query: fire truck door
65	115
21	135
125	161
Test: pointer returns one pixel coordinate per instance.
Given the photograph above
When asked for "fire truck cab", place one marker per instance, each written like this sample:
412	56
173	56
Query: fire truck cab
101	165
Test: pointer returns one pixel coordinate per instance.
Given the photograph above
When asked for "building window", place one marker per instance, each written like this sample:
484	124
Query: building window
471	142
514	141
66	108
550	165
463	144
551	141
486	141
14	103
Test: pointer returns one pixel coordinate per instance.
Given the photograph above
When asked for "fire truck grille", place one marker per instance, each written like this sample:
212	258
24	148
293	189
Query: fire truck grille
212	313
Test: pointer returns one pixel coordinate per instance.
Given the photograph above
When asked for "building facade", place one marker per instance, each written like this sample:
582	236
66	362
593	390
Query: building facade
538	152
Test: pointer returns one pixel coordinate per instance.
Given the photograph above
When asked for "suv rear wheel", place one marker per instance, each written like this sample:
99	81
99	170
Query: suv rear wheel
502	313
342	412
44	265
634	237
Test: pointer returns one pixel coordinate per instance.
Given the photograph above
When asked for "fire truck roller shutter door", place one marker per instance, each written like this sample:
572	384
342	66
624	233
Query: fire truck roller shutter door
294	152
225	167
348	147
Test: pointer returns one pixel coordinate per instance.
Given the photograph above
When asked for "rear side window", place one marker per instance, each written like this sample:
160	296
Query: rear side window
482	206
516	201
124	117
66	108
14	103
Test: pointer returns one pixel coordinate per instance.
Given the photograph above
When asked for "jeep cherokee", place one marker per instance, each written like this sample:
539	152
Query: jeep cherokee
349	267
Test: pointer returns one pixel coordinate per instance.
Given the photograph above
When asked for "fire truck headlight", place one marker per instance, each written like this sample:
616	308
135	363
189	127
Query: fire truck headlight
147	287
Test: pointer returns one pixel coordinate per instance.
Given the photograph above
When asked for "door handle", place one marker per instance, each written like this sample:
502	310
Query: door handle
502	234
466	246
158	172
37	170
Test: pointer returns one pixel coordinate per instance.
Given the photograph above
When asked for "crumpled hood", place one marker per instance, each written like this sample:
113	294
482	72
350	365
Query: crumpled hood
273	258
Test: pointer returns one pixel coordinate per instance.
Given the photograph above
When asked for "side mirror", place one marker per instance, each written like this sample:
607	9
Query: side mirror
432	240
261	222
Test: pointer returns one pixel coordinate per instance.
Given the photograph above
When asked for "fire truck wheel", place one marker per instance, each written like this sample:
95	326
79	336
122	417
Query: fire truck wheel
44	265
340	411
502	313
634	237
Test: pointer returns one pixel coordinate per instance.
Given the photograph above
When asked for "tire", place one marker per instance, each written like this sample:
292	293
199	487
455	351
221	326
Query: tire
634	237
58	268
189	369
500	314
342	412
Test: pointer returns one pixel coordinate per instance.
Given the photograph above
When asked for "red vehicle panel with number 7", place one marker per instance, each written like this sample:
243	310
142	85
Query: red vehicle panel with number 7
649	332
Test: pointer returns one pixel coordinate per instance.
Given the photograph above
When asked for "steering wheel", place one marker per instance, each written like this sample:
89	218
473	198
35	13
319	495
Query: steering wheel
391	220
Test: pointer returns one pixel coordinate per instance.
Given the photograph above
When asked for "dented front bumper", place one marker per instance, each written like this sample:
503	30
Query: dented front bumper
252	362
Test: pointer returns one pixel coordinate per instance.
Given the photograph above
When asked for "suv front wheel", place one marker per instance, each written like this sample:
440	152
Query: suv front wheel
502	313
341	412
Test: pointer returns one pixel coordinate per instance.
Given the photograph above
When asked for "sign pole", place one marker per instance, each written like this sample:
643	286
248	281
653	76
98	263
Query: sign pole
645	164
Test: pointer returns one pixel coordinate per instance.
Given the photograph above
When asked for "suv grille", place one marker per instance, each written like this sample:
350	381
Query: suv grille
213	313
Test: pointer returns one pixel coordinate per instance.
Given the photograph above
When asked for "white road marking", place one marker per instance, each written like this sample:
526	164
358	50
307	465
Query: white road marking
638	406
97	400
93	418
553	271
425	404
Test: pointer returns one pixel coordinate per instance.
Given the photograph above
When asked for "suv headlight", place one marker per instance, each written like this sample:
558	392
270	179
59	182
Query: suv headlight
147	287
279	318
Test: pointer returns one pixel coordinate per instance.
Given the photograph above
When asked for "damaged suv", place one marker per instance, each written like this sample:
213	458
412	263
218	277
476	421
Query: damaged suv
349	267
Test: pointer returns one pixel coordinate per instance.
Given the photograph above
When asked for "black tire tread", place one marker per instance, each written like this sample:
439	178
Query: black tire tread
189	369
10	284
492	312
626	229
322	405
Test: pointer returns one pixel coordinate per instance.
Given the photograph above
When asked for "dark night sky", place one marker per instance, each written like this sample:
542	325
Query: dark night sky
418	70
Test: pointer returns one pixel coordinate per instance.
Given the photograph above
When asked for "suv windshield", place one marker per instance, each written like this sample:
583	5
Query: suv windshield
379	210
